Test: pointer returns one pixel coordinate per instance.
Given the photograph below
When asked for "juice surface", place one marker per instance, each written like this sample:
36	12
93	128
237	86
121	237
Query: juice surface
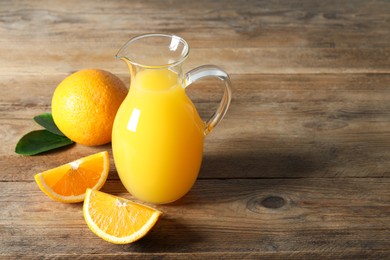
157	138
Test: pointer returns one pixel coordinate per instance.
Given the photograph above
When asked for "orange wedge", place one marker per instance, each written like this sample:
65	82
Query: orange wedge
117	220
69	182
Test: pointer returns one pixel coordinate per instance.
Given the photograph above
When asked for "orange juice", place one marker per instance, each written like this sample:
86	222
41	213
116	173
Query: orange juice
157	138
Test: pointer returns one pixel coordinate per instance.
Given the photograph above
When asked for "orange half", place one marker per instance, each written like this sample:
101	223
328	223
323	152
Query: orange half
117	220
69	182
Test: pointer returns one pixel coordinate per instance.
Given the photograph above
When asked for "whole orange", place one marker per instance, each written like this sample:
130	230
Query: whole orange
85	103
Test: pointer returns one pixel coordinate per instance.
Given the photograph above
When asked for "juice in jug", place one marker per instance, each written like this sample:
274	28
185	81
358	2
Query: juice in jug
157	137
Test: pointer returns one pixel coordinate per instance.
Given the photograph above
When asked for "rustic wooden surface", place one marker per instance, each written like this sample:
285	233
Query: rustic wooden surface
299	168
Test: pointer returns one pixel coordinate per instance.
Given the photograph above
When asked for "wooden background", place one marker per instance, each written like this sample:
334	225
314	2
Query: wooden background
299	167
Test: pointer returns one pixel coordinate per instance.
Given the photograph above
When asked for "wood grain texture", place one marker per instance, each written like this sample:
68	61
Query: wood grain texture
250	37
299	167
326	125
334	24
313	212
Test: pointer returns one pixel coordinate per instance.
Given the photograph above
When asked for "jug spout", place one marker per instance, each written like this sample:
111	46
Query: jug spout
154	51
122	55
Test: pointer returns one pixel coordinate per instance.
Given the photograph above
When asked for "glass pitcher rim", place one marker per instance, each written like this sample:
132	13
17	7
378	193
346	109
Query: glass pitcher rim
147	35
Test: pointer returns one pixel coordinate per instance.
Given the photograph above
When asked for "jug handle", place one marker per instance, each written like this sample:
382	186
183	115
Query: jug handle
206	71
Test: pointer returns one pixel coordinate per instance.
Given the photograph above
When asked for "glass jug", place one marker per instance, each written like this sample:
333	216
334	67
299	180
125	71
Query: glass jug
157	137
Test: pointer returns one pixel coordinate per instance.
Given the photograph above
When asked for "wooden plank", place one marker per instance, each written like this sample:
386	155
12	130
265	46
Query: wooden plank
52	60
246	38
326	155
353	255
305	216
261	89
254	24
278	126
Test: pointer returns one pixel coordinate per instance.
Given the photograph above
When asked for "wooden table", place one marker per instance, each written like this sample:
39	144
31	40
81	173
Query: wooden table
299	167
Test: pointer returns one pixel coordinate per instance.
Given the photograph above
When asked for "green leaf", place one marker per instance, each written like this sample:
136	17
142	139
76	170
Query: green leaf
40	141
46	120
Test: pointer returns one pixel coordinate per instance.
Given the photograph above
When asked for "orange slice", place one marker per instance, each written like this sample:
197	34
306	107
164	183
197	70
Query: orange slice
68	183
117	220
